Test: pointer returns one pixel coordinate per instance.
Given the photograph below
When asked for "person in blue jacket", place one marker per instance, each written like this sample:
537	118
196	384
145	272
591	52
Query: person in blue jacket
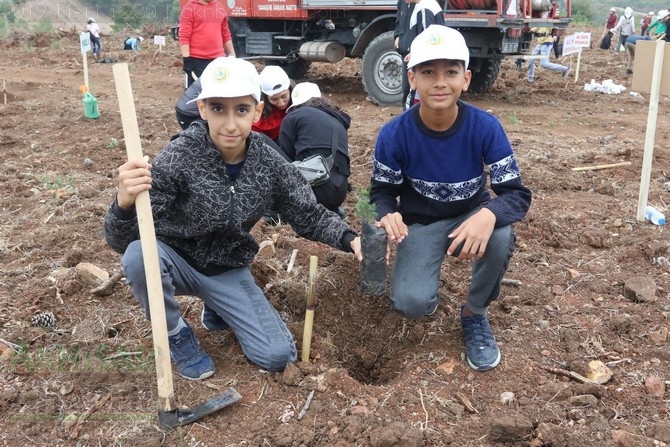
132	43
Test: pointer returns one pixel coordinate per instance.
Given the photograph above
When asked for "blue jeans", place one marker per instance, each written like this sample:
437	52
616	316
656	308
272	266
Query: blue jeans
416	269
96	46
544	50
234	295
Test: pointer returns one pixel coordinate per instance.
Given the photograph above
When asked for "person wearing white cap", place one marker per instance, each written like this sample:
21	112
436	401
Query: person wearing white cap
208	188
276	95
429	185
626	27
94	30
315	126
606	41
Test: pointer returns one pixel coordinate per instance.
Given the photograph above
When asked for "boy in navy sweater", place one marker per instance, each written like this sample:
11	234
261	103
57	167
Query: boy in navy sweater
433	159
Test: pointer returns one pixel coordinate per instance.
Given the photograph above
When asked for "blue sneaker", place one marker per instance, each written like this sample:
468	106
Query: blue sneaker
481	349
192	362
211	320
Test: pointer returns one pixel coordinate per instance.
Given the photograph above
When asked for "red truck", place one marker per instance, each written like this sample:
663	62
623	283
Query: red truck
294	33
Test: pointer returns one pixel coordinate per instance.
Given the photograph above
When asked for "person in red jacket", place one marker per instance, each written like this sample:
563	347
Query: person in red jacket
203	36
276	88
646	21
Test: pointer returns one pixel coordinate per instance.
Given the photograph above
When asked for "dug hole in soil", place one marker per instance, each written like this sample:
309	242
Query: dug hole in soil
588	282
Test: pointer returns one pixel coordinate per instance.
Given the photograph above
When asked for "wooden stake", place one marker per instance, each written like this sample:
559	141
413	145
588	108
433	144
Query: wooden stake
159	332
597	167
654	94
309	313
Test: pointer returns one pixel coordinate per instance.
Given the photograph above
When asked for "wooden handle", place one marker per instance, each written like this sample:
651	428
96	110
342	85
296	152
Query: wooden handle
309	313
131	134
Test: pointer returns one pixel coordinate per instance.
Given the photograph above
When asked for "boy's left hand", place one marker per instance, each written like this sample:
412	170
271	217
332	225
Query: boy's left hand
474	234
356	247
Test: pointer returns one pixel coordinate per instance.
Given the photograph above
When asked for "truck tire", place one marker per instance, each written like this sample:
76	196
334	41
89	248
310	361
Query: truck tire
296	69
382	71
483	80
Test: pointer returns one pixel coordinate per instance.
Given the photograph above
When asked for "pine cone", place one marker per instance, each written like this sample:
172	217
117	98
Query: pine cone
44	319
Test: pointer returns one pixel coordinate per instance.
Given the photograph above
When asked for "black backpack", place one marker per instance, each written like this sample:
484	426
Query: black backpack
606	43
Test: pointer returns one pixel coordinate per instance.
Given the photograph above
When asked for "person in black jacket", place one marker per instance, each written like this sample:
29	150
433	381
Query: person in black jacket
403	40
412	18
312	126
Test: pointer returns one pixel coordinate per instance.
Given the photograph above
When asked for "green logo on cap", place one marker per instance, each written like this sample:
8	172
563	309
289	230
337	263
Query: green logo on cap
220	75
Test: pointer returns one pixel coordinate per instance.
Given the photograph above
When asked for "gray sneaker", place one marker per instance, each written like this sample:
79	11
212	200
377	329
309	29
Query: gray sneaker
192	362
567	72
481	349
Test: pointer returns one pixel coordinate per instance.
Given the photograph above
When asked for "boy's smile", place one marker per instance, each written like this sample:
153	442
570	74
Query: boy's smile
230	121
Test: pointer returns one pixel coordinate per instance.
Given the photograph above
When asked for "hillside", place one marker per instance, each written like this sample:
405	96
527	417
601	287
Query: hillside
63	14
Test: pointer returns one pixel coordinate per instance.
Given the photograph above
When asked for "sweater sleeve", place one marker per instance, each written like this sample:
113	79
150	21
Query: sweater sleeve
512	199
225	31
186	24
387	176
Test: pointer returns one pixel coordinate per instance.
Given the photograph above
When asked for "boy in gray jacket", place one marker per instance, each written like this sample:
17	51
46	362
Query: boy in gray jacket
208	188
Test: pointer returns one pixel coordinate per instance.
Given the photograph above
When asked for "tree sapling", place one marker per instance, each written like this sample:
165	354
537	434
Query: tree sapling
373	245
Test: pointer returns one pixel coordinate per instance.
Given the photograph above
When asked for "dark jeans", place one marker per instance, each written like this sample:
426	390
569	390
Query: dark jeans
199	66
405	83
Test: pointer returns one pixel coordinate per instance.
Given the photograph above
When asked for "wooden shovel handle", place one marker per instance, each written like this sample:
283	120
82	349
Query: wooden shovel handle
131	134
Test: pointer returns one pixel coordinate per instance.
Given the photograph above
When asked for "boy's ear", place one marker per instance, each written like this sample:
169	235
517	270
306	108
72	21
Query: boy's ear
410	77
201	108
258	111
468	79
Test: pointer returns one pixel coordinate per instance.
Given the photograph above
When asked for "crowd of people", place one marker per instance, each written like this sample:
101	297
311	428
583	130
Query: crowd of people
652	27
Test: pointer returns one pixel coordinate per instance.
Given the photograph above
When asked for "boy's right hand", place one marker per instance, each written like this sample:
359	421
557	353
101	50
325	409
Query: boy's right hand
396	231
134	178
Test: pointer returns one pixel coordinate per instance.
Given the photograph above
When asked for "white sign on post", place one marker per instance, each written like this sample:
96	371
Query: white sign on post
159	40
85	42
575	42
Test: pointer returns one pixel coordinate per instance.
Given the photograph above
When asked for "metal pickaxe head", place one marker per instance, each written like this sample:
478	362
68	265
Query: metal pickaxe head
179	416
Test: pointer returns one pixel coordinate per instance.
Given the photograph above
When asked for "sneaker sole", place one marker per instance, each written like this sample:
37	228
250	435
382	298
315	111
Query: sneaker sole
202	376
484	367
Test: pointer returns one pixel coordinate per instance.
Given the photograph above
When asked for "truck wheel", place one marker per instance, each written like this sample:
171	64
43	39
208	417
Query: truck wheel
382	71
487	74
295	70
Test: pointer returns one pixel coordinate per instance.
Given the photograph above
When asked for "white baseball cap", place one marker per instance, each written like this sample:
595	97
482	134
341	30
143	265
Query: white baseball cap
303	92
229	77
274	80
651	13
612	10
141	38
438	42
661	14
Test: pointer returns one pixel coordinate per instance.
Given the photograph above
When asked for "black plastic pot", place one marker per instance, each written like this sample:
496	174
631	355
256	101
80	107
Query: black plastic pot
373	245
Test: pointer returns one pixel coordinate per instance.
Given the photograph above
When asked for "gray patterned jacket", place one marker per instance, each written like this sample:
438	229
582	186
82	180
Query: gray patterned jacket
207	218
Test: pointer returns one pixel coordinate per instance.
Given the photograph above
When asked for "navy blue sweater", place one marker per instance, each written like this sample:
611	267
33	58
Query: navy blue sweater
438	175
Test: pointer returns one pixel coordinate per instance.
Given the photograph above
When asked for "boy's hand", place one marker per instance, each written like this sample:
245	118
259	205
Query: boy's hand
134	178
356	247
396	231
474	234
